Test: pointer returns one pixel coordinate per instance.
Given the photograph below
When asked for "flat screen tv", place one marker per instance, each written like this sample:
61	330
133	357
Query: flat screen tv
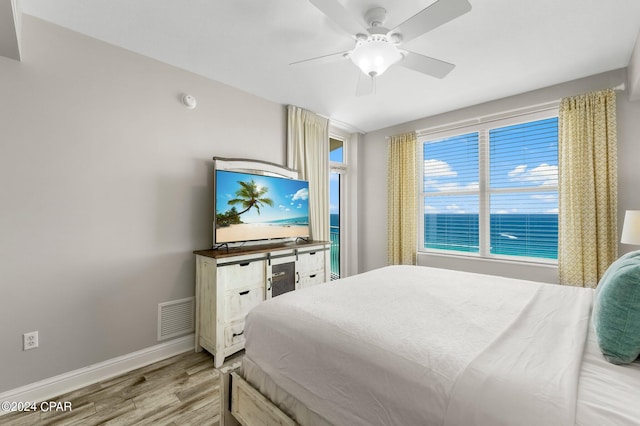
250	207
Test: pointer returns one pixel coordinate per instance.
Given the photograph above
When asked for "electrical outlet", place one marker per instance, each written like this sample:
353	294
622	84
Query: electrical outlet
29	340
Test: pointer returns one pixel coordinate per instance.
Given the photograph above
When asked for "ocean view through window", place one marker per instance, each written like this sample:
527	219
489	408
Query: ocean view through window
337	161
491	189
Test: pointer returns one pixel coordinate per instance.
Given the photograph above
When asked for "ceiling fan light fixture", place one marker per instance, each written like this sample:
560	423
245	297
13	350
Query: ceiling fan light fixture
375	55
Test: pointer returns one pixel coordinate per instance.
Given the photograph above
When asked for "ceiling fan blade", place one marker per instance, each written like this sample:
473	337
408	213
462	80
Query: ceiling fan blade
366	85
426	65
331	57
341	16
438	13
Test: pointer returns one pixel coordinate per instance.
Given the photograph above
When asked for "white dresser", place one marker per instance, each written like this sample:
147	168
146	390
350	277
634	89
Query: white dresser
230	283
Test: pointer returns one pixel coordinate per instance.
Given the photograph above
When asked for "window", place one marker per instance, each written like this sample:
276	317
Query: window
491	189
336	159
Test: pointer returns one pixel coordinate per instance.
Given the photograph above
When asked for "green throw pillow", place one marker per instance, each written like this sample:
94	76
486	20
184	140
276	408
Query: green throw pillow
616	311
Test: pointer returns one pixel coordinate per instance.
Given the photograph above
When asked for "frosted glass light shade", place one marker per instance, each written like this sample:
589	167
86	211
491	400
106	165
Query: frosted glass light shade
375	55
631	228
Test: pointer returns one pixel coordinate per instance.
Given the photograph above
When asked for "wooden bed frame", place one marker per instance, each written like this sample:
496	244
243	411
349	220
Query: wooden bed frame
242	404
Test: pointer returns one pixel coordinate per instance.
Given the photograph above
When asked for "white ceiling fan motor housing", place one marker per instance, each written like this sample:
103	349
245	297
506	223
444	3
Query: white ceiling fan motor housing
376	17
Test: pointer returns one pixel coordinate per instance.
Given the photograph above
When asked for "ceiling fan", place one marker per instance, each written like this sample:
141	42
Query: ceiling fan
377	48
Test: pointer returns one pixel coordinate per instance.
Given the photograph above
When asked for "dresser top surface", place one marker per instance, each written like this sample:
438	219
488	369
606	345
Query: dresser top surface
258	248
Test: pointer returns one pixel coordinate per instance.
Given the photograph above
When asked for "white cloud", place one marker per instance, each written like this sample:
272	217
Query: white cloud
473	186
543	175
302	194
451	186
438	168
446	186
455	208
518	171
555	211
299	206
549	198
546	174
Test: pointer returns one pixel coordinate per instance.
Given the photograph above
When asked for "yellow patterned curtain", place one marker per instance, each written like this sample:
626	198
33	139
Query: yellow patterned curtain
402	200
587	187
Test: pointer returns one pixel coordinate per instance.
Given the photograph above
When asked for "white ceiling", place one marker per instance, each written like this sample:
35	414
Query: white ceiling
500	48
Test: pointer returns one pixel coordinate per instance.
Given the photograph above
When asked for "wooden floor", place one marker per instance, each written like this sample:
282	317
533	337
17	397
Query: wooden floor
183	390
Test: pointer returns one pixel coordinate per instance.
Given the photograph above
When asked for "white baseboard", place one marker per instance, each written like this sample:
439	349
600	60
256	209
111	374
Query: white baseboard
55	386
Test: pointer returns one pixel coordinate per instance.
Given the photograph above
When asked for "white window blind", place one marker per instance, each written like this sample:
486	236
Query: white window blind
491	190
524	189
451	188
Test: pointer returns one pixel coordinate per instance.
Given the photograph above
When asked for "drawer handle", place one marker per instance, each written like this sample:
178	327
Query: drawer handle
238	334
312	276
311	253
278	274
243	293
245	264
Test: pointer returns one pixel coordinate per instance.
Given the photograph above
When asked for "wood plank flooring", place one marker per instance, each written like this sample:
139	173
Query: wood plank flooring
182	390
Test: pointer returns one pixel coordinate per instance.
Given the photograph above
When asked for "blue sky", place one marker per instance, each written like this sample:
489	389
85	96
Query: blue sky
520	156
290	197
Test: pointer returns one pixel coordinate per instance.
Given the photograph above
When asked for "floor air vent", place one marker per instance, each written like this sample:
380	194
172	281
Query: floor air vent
176	318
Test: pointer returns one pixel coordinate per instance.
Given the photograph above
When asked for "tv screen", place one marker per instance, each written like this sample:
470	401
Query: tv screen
256	207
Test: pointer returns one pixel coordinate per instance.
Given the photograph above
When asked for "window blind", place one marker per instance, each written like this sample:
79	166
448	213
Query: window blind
451	188
493	191
523	185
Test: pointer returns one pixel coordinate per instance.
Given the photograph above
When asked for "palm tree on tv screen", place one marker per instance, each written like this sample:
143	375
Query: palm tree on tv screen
250	196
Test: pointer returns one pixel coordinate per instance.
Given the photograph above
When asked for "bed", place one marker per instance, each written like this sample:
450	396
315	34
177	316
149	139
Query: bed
410	345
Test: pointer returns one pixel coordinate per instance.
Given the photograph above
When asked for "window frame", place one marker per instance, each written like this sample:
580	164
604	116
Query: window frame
342	169
482	126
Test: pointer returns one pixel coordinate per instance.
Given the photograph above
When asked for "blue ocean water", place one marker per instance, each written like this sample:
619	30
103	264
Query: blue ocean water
302	220
530	235
334	220
334	223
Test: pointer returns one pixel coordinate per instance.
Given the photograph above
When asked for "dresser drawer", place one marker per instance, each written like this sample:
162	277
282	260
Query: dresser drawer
234	334
314	278
239	302
242	274
310	261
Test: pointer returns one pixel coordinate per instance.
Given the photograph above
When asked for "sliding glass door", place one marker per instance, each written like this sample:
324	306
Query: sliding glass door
336	194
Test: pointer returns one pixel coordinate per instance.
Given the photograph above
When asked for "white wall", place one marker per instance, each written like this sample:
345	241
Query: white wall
106	189
373	198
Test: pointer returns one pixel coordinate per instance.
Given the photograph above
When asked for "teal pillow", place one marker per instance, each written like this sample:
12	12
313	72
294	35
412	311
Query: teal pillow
616	311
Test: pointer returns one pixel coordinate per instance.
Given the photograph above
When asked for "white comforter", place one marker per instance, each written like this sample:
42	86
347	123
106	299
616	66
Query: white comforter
409	345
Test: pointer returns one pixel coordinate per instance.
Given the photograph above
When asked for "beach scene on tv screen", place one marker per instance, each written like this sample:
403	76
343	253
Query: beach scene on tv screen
255	207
